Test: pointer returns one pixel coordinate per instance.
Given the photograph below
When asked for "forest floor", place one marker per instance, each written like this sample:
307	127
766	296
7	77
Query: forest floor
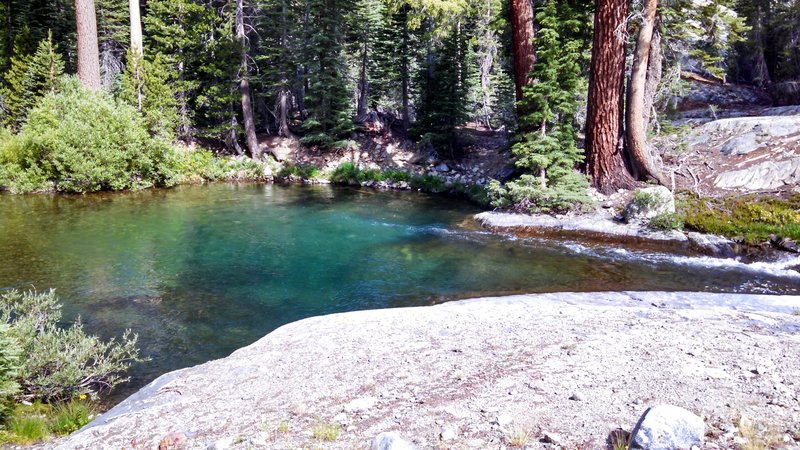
547	371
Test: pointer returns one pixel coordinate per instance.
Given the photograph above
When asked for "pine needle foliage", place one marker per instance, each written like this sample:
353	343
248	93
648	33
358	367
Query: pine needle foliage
547	150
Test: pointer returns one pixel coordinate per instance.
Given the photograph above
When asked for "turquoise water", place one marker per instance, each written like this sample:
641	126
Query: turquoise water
200	271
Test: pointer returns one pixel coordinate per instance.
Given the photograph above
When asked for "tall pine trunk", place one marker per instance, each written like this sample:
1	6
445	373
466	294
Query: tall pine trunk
136	27
363	83
88	50
522	39
605	160
405	70
655	62
244	86
642	157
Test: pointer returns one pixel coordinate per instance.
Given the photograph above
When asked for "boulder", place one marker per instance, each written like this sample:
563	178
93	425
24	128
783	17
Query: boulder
442	168
667	427
712	245
648	203
766	175
390	441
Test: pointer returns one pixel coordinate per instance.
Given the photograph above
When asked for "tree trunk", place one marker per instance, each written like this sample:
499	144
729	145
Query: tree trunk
136	28
404	71
522	39
282	106
655	62
363	83
244	86
605	162
88	50
642	158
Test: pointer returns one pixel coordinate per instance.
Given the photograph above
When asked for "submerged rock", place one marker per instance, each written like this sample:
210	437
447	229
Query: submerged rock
712	245
667	427
648	203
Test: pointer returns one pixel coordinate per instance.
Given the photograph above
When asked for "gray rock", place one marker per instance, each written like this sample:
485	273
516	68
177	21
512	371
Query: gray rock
448	434
222	444
741	145
390	441
766	175
361	404
648	203
667	427
503	420
442	168
712	245
551	438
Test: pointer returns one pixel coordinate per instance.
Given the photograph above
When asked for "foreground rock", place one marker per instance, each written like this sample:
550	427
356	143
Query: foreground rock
469	366
667	427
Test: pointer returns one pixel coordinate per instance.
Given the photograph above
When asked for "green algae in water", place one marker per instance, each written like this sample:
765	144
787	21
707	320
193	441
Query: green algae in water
200	271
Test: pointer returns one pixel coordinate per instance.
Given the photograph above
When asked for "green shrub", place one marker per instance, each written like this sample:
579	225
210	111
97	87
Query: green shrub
70	416
78	140
9	369
58	363
666	222
349	173
527	194
304	171
428	183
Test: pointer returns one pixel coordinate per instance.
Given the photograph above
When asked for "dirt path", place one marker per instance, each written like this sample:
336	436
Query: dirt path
486	373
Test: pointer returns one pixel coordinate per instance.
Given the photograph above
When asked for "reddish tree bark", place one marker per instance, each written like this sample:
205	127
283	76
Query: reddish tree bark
605	162
88	50
522	38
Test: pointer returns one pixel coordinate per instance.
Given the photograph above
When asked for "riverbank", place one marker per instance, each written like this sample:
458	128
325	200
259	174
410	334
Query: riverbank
484	373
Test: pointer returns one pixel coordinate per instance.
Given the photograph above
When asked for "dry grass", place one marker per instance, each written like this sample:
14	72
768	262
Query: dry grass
757	436
323	431
518	435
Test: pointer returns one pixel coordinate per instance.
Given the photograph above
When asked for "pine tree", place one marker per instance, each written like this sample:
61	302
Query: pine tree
327	101
549	151
29	79
113	34
444	88
146	86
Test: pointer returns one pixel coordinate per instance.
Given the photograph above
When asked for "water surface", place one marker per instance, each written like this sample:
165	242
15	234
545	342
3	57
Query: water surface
202	270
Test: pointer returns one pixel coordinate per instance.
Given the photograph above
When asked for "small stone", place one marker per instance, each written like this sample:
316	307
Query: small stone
172	440
666	427
390	441
222	444
503	420
340	418
476	443
360	404
442	168
447	434
551	438
576	397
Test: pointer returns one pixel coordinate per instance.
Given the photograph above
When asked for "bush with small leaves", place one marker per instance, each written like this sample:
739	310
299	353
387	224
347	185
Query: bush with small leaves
58	363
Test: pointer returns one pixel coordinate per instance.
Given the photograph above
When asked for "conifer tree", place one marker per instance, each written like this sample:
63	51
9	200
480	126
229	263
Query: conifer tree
548	152
444	86
327	101
29	79
146	86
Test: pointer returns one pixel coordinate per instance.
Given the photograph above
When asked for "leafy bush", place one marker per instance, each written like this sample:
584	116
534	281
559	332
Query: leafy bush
349	173
304	171
78	140
61	363
527	194
9	369
666	222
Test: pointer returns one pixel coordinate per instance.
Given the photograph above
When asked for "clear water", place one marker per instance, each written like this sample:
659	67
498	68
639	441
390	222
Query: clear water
200	271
